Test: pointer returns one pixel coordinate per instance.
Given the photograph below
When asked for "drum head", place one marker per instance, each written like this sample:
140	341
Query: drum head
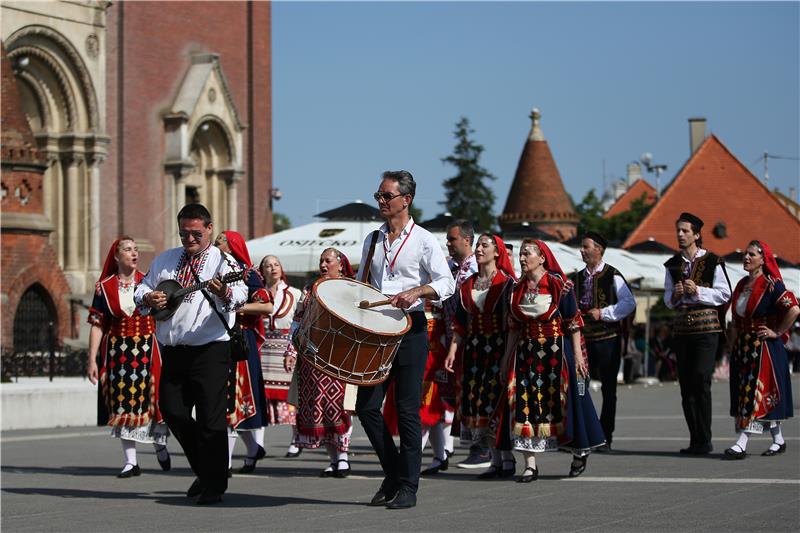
341	297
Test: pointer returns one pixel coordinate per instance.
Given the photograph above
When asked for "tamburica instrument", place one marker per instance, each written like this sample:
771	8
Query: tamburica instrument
347	342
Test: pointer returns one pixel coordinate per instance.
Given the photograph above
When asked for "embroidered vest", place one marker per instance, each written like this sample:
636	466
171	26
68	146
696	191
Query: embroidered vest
603	295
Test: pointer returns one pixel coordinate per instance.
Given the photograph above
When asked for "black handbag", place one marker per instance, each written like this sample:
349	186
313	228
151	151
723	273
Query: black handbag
240	346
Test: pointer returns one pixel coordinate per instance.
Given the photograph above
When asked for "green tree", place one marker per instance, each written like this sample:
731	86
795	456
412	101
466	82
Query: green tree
280	222
617	228
466	194
590	210
415	212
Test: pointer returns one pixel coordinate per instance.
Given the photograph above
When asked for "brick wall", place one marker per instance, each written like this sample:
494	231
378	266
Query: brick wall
149	49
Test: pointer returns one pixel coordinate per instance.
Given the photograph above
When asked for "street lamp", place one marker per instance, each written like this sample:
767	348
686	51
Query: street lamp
647	160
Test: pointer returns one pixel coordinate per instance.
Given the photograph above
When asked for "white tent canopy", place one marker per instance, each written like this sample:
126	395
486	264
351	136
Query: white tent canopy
299	250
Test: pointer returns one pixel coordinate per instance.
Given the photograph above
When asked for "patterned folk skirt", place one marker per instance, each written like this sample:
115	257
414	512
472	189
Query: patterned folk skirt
276	379
321	417
129	384
760	383
545	411
481	387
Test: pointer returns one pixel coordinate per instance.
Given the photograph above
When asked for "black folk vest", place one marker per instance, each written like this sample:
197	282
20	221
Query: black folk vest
603	295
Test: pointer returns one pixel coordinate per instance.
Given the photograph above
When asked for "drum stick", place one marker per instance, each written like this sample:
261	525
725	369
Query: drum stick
366	304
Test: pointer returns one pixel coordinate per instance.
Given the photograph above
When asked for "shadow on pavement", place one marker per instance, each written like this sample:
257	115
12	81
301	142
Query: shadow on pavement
89	471
179	499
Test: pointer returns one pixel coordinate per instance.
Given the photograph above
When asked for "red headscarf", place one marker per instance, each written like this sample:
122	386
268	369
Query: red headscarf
347	269
238	247
503	262
770	267
110	267
550	262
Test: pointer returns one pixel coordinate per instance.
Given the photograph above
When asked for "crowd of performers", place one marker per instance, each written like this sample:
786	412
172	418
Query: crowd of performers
509	364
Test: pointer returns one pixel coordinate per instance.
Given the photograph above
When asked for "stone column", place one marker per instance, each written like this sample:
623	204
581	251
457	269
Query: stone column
176	196
232	178
94	215
73	220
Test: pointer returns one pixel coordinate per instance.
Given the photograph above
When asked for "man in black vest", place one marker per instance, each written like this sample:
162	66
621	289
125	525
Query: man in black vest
605	300
696	285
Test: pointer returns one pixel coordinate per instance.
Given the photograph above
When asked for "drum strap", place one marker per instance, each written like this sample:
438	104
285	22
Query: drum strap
367	265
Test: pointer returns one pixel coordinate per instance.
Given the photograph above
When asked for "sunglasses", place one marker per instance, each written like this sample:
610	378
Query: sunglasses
196	235
385	196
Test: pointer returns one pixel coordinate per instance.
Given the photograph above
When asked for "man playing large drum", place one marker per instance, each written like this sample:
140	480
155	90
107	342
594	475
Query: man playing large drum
405	262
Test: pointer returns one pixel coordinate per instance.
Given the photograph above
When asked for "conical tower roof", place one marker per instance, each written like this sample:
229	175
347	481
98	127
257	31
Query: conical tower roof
537	194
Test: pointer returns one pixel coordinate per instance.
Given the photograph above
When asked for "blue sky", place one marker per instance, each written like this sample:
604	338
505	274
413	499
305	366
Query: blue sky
362	87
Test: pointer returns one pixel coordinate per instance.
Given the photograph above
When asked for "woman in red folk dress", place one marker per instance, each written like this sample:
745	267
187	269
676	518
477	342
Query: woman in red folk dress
547	408
130	361
481	329
760	383
322	419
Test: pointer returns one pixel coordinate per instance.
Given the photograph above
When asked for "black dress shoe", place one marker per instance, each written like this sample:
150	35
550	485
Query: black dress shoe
703	449
405	499
341	472
195	489
250	463
526	477
508	470
770	452
291	455
441	467
328	472
385	494
732	455
687	451
135	471
209	498
605	448
576	469
166	464
492	473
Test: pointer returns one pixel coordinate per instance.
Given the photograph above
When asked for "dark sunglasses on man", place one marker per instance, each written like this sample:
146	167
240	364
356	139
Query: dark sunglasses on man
385	196
196	235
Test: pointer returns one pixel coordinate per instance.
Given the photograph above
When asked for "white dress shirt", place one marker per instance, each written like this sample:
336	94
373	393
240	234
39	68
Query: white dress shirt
412	260
718	294
194	323
626	303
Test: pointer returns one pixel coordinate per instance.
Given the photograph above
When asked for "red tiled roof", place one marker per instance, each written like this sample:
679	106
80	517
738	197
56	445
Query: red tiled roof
634	192
537	193
718	188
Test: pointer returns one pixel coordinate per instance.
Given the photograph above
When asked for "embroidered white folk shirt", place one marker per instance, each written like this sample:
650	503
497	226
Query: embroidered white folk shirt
414	259
194	323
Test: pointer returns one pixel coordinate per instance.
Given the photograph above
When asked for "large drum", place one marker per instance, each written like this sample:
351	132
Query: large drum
349	343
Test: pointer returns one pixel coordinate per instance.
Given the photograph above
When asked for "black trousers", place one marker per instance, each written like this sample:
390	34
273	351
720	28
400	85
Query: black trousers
604	359
401	466
196	377
696	358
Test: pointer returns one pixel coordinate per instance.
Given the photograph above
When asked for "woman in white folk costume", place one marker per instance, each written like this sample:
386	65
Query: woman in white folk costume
247	404
481	329
277	326
322	419
130	361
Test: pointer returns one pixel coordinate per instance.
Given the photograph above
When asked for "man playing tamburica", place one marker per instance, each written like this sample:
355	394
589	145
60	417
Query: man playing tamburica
405	262
195	348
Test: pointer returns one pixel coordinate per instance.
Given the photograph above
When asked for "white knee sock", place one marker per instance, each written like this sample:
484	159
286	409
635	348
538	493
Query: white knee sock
777	434
426	432
129	449
292	447
341	460
231	445
741	442
437	442
258	435
448	438
249	440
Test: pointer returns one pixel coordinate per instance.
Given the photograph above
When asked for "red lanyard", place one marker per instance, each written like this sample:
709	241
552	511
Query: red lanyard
386	255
